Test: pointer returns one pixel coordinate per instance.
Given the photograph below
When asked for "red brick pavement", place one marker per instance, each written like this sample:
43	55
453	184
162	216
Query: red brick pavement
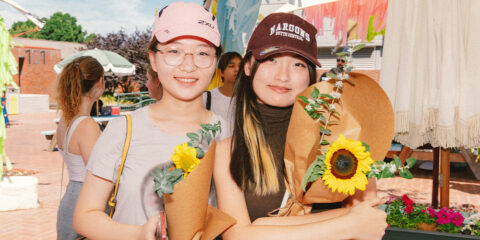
26	148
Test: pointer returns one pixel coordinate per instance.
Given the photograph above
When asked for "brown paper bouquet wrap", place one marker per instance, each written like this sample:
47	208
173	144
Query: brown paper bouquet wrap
189	216
366	115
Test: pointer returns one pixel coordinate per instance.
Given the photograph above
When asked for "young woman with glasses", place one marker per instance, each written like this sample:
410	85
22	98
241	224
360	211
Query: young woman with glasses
182	52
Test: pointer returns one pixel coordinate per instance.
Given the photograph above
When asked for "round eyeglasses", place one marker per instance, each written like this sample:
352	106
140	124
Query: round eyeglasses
203	57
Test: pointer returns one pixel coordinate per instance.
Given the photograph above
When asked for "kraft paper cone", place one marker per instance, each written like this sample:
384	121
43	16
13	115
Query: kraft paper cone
188	212
366	114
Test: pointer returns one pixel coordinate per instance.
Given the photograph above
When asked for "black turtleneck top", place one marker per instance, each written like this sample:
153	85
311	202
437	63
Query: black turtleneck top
275	121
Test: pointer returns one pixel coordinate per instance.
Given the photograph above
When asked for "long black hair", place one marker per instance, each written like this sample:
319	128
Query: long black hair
252	164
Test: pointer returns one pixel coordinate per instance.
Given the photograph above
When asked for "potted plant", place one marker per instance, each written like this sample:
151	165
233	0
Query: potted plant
408	220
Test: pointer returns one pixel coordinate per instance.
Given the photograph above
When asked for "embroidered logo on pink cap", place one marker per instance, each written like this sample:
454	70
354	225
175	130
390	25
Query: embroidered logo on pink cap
185	19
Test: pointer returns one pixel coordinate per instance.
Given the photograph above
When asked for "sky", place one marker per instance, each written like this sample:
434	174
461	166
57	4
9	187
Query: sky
95	16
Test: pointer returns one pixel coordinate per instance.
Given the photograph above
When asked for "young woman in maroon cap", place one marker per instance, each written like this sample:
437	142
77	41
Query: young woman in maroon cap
182	53
249	170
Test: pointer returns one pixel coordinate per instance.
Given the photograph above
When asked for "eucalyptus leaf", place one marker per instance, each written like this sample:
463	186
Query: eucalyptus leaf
208	136
164	179
342	54
193	136
322	118
325	131
200	152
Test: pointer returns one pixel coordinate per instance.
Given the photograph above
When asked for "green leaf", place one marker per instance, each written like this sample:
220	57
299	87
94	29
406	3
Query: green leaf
208	136
358	47
325	131
331	75
304	99
200	152
342	54
397	161
322	118
193	136
411	162
396	158
386	173
314	93
405	173
164	179
367	147
350	81
206	127
325	142
314	172
332	122
326	96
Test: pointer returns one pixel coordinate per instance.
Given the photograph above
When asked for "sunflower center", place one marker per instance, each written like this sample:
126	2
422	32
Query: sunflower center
344	164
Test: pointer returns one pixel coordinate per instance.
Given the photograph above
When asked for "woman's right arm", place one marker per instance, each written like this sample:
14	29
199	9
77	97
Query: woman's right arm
91	221
362	221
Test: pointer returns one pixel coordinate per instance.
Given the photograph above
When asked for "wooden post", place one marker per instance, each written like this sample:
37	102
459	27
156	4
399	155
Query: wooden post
445	177
436	161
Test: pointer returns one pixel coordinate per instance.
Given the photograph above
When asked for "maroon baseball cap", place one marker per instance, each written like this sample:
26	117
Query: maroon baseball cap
284	32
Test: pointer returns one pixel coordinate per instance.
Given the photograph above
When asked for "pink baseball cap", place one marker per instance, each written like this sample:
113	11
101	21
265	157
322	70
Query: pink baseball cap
186	19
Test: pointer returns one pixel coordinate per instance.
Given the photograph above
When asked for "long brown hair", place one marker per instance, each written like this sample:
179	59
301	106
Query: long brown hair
252	164
76	79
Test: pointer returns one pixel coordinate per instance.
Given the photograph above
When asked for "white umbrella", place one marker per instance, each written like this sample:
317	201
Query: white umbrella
112	62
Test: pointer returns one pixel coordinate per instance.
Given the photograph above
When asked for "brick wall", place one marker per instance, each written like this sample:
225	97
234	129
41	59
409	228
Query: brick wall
38	76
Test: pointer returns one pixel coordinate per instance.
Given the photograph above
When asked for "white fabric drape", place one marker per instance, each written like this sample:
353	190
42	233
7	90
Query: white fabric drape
431	72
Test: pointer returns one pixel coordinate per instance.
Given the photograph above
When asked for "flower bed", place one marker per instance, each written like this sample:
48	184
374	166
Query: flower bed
444	223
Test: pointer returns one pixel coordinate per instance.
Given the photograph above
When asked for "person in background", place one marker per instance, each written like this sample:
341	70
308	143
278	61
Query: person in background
79	86
336	70
153	84
219	100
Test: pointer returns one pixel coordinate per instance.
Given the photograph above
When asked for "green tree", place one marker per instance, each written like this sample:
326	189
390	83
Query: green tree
20	27
62	27
59	27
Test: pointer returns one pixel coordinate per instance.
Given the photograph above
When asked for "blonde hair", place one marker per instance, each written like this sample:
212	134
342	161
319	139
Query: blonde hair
76	79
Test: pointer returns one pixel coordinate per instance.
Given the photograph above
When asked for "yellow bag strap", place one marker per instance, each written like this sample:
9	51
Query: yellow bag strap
113	199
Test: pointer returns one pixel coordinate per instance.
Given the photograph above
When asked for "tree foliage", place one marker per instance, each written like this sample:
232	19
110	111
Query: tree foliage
59	27
133	47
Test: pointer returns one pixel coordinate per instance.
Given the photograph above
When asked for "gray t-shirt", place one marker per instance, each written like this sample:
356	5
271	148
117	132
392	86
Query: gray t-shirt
223	106
149	148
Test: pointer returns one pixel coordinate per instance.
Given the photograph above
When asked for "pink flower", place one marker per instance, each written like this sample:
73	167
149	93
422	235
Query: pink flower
423	211
457	219
408	209
431	211
442	217
407	200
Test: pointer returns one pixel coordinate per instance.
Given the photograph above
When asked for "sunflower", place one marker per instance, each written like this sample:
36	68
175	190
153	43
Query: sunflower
185	157
346	163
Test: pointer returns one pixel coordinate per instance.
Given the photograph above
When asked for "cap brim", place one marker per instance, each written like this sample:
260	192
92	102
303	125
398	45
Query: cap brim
256	54
193	30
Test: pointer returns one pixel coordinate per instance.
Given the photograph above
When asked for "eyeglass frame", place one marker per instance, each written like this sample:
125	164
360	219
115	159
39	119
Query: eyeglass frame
183	58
